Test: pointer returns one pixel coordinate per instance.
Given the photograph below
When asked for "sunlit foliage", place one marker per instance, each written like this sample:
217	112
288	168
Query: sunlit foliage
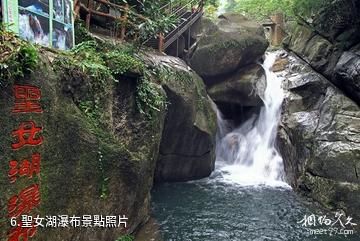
261	9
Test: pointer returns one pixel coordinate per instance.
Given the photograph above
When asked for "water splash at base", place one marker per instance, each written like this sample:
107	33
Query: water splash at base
247	154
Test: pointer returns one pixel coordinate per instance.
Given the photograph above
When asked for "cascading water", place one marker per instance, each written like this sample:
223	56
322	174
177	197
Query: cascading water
32	30
222	7
232	204
247	154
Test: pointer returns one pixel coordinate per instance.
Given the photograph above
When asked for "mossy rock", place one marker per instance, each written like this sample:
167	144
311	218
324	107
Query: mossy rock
187	149
230	45
87	167
223	53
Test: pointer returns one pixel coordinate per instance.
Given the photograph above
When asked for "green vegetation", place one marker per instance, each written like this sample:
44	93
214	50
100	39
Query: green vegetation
262	9
149	98
159	21
95	68
82	35
126	238
211	6
85	66
122	61
17	57
103	180
147	18
308	8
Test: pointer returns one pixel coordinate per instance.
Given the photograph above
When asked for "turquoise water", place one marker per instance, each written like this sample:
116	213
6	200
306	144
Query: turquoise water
234	204
214	210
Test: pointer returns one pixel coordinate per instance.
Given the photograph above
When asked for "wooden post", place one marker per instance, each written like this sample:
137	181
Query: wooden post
90	7
177	47
189	39
76	8
277	34
201	5
124	22
161	42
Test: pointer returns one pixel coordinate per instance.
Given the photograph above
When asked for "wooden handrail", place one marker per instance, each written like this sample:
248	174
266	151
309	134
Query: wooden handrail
124	8
98	12
192	7
78	4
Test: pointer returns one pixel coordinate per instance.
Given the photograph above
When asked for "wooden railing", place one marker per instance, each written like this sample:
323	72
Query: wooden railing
187	14
117	13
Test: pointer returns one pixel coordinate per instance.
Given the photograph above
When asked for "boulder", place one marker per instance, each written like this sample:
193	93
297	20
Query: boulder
245	87
319	139
232	43
187	149
234	22
102	161
86	167
299	38
207	27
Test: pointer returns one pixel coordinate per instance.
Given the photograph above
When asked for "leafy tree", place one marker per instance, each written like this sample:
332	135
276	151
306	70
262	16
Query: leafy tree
158	18
211	6
307	8
262	9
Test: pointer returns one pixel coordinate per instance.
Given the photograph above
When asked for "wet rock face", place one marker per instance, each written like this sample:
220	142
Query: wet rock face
239	95
245	87
319	139
339	22
347	74
330	44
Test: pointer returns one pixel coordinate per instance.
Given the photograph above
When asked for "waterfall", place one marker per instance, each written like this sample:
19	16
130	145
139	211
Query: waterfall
247	154
32	30
222	7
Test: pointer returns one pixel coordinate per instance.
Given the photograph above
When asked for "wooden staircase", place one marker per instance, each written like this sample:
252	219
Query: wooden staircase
92	10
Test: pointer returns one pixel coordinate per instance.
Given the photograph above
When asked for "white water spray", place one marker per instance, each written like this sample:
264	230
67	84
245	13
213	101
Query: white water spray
222	7
32	32
247	155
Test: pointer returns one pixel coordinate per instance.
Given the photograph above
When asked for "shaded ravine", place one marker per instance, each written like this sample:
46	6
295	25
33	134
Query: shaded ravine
245	198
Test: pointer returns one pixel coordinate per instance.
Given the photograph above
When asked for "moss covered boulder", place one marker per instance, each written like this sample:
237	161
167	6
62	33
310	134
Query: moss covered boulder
233	43
111	115
187	149
93	166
